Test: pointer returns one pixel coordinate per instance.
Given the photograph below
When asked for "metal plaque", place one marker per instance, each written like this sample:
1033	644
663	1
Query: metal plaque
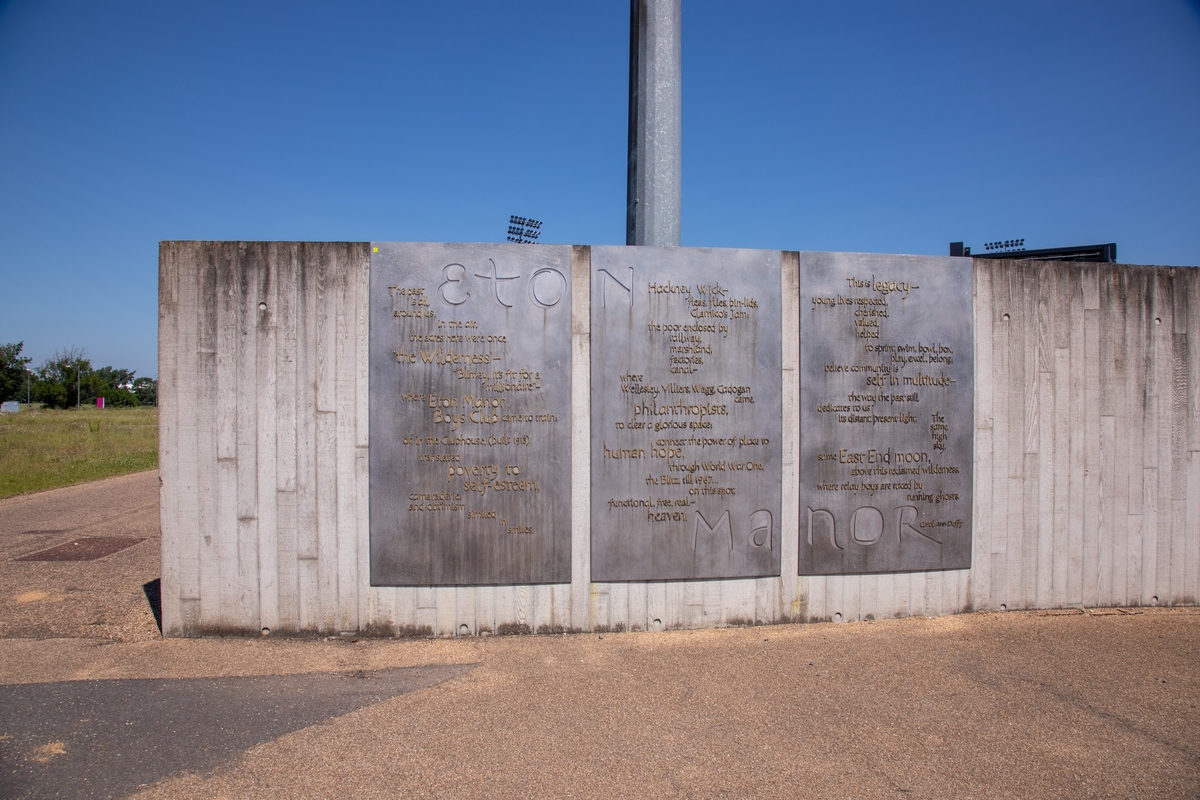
686	413
886	413
470	391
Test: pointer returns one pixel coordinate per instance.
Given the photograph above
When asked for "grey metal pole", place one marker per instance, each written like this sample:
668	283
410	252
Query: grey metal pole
653	200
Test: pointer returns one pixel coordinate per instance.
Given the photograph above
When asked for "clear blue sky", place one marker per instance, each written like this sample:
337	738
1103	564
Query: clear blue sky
863	126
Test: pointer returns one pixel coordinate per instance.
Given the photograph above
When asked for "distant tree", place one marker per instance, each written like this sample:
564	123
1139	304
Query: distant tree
111	378
111	383
146	390
118	397
12	371
64	365
59	377
50	394
67	379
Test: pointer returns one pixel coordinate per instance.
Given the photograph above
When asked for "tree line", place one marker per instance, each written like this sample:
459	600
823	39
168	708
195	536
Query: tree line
67	379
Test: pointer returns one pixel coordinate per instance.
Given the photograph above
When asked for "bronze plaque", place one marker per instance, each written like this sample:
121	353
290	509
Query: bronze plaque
887	410
686	420
470	410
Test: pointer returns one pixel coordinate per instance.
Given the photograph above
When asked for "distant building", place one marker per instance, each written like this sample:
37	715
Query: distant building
1096	253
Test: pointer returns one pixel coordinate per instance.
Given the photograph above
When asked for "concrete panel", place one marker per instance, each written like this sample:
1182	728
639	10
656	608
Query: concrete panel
686	425
1091	384
886	413
470	407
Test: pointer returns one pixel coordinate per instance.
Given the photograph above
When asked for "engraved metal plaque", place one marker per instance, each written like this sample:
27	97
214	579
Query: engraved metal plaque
470	389
686	413
886	413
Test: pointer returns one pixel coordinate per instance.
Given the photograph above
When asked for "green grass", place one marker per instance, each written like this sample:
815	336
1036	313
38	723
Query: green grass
43	449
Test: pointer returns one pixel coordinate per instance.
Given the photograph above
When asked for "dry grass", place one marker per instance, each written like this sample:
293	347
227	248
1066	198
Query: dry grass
44	449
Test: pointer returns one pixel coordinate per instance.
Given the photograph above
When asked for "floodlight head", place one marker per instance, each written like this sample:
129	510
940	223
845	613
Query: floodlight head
1005	245
523	230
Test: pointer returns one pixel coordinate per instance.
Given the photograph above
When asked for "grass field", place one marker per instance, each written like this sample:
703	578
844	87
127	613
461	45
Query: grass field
44	449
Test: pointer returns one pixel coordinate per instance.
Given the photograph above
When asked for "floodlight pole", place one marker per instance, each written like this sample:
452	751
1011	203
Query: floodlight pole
653	199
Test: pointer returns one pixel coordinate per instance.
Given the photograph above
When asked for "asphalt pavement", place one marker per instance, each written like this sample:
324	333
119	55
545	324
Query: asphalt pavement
94	703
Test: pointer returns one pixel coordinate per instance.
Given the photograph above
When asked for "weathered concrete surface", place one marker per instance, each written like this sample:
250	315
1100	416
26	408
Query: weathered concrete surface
1045	704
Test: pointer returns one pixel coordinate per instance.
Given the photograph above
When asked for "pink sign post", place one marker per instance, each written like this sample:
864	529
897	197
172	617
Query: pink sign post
99	402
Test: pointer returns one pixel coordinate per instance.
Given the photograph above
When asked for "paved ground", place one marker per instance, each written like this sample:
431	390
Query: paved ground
101	600
94	703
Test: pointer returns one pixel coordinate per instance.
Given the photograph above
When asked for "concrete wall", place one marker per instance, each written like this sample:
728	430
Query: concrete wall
263	435
1088	435
1087	451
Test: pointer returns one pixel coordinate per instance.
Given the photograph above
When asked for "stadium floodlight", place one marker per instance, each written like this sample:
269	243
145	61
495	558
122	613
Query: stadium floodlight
1015	248
1006	245
523	230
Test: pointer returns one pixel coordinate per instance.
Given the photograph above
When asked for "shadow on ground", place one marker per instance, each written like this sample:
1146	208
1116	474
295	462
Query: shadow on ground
98	739
153	591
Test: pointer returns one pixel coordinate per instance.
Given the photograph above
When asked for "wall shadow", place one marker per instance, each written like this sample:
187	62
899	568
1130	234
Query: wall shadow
153	592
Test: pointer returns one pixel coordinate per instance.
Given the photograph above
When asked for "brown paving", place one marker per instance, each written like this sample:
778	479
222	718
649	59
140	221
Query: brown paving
1049	704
